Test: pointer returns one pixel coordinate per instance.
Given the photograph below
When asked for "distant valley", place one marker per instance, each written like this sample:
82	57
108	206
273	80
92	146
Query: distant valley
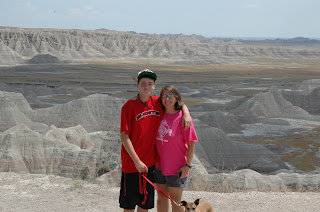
255	104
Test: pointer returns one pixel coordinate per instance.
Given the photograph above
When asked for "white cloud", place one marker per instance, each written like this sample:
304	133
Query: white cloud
75	11
252	6
88	7
29	6
82	11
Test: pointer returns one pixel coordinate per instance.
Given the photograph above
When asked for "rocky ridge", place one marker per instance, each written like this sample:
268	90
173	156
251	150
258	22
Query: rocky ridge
22	46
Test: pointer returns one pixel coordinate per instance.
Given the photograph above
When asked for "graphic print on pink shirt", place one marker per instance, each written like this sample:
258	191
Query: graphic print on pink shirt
164	129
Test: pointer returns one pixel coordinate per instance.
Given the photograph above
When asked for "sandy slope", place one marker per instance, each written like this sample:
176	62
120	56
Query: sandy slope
29	193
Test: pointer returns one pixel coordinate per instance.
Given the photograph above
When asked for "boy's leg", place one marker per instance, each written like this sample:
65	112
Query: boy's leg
141	210
129	190
149	204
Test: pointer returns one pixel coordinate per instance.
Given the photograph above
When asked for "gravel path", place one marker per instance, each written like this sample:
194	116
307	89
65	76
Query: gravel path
30	193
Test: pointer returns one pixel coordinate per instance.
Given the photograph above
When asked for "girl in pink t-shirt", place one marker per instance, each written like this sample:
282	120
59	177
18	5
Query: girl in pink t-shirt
175	146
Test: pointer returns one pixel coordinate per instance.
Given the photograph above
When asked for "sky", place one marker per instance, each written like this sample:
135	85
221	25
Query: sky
209	18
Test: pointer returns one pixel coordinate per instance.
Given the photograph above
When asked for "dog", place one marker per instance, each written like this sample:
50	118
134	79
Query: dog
197	206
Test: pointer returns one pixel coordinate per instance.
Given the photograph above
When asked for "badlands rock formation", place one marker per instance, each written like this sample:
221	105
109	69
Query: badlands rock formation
306	96
248	179
240	180
216	150
227	123
308	86
56	139
44	58
19	45
9	56
28	144
81	137
95	113
67	152
268	105
12	110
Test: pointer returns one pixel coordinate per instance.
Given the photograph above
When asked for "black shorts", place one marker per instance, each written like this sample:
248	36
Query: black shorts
129	192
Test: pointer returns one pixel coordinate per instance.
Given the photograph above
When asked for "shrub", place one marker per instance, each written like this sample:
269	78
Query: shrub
84	173
103	170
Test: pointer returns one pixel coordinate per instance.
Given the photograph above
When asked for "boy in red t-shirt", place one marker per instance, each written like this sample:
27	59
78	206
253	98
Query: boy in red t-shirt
140	120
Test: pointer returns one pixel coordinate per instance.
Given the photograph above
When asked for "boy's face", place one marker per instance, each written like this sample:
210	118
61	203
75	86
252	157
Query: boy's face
146	86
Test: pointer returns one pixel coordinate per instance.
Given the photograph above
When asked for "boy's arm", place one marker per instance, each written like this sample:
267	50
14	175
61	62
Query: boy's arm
127	144
186	119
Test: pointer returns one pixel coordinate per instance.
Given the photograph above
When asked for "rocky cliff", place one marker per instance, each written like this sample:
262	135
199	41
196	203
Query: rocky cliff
21	46
68	152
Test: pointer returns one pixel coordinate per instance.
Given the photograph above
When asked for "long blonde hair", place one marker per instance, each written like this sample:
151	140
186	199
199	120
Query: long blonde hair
178	105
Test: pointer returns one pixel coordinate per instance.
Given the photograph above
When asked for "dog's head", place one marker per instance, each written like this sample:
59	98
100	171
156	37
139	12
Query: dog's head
190	206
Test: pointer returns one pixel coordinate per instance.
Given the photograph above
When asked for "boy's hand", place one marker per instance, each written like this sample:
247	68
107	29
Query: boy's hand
141	167
186	121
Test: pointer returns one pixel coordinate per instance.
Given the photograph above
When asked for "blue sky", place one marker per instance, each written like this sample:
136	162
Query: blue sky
211	18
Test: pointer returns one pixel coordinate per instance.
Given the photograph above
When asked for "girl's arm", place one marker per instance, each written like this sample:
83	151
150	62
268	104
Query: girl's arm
185	169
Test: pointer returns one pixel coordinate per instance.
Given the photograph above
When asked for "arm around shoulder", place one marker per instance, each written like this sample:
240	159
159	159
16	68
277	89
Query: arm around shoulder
186	119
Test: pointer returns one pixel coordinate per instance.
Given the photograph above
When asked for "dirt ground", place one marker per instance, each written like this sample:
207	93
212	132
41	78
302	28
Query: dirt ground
30	193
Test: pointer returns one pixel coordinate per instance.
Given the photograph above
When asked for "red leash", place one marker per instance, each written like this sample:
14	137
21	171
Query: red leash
177	204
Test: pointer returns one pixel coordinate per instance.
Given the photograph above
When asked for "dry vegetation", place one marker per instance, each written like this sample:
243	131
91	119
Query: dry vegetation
304	147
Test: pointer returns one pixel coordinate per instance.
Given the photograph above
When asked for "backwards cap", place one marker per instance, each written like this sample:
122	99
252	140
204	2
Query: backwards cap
147	72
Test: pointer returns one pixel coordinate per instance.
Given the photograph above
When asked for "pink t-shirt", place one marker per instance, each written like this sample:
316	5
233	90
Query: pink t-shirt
172	142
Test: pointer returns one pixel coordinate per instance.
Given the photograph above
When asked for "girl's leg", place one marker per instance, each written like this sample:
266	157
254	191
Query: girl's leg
176	195
162	201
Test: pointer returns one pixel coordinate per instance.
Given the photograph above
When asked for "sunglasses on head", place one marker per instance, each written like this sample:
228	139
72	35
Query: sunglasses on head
170	96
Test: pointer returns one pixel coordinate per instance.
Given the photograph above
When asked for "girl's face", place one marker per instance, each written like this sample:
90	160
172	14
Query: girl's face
168	100
146	86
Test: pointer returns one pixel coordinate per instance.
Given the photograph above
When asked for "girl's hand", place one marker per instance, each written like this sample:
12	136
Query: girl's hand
184	171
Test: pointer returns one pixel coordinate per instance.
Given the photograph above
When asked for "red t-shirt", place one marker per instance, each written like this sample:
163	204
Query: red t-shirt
141	124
